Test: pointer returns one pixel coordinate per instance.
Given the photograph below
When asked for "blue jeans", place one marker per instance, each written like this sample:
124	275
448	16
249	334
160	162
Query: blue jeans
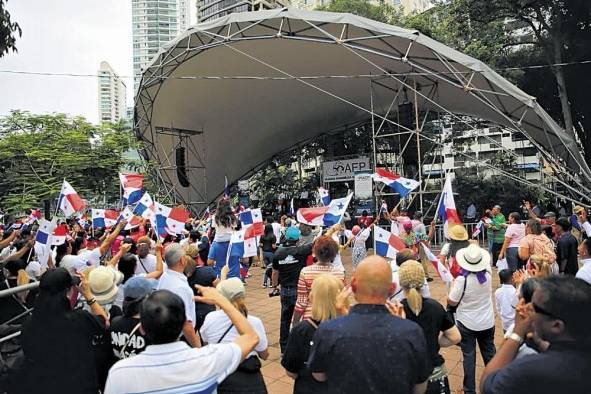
512	255
486	343
289	297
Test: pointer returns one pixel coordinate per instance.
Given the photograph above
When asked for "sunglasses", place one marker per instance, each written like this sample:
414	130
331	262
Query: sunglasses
542	311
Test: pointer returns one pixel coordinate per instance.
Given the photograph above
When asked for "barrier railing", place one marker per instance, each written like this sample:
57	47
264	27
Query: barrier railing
438	238
18	289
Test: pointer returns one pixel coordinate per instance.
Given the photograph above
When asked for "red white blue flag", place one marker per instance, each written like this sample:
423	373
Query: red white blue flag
447	207
325	216
170	220
443	272
69	201
252	222
104	218
400	185
132	185
387	244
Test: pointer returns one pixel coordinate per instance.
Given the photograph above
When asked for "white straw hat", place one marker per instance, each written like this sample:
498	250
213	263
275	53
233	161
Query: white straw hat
473	258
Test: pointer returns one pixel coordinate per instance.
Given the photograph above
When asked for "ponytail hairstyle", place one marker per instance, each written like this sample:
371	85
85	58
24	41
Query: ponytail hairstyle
411	278
240	304
542	265
224	215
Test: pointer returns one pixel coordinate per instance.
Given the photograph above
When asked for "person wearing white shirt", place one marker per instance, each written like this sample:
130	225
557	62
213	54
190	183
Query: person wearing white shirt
584	272
169	365
471	292
506	299
174	280
276	228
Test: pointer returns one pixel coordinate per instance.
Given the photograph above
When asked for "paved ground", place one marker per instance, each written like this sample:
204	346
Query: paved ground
268	309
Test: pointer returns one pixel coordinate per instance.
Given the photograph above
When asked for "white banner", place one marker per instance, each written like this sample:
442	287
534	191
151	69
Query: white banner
363	185
344	170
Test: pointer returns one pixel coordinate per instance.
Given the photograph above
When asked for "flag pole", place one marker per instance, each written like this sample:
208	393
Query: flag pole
57	208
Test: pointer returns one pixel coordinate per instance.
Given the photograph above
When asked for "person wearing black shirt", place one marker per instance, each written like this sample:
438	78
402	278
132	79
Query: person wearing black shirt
288	261
58	342
559	314
202	276
268	244
566	248
16	304
433	319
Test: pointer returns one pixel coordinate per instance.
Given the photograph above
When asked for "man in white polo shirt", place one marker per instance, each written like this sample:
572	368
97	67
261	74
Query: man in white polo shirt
169	365
174	280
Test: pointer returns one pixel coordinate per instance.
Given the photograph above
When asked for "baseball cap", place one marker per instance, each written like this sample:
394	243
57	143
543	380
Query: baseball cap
292	233
138	287
232	288
550	215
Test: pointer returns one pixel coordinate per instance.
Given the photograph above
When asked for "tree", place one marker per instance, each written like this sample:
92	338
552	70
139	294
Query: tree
382	13
38	151
8	29
556	27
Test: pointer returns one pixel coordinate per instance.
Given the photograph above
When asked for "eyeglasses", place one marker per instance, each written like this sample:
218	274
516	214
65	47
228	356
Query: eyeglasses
542	311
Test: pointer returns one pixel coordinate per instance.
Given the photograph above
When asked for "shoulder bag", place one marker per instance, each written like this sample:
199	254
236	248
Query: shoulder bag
451	309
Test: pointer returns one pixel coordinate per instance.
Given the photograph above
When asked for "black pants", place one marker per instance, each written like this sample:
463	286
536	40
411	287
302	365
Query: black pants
496	249
486	343
289	296
439	386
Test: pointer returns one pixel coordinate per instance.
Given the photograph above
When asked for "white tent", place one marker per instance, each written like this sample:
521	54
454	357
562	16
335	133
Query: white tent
238	90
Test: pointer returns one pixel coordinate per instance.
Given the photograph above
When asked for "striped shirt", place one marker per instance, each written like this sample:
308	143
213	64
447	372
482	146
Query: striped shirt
174	368
307	275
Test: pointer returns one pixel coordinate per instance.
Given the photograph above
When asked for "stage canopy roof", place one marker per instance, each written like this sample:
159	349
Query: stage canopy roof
238	90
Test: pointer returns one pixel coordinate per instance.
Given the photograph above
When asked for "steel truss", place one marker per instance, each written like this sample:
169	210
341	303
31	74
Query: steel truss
236	29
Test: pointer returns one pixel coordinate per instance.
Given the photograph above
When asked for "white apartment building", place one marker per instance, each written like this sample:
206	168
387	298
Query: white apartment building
111	95
476	150
155	22
208	10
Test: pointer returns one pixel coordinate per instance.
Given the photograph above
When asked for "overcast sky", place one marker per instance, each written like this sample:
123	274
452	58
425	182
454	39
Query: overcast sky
65	36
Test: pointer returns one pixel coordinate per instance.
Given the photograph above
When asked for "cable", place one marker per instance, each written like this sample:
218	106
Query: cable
245	77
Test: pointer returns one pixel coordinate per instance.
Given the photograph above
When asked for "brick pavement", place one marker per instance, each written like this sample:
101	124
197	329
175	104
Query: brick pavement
268	310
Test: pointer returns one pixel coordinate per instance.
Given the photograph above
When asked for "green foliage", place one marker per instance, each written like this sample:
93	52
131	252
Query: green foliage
382	13
38	151
8	30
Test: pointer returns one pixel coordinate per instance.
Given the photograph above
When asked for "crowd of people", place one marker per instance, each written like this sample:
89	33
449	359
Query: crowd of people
124	311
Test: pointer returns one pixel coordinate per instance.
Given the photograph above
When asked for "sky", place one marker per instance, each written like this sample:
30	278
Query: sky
65	36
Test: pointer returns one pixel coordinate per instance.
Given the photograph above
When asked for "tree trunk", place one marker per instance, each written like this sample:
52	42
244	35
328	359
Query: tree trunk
558	46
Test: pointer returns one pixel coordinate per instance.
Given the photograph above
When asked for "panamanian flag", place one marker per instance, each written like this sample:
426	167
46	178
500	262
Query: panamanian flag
400	185
132	220
324	196
60	234
132	185
145	207
387	244
69	201
443	272
43	241
252	222
170	220
447	207
104	218
242	246
325	216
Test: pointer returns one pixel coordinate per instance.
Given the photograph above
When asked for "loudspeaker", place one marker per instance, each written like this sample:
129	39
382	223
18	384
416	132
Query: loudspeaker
47	209
181	167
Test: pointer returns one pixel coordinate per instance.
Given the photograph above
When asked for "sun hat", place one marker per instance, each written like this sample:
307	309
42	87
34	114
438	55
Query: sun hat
411	274
138	287
457	232
355	230
550	214
231	289
292	234
103	283
473	258
192	251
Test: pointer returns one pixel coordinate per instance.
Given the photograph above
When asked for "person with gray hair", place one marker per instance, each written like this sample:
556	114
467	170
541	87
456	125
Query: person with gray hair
174	280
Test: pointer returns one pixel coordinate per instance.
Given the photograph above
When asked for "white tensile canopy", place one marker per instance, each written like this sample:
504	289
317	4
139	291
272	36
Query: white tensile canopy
239	90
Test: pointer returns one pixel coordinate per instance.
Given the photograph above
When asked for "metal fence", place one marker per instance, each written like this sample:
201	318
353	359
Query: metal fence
439	239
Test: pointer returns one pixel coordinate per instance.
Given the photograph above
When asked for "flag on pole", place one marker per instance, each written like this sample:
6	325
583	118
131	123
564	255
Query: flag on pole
447	207
69	201
443	272
43	241
400	185
104	218
325	216
387	244
478	229
60	233
252	222
324	196
170	220
145	207
241	246
132	220
132	185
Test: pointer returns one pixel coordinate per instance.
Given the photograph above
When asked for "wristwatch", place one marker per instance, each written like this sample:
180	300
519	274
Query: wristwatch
91	301
514	337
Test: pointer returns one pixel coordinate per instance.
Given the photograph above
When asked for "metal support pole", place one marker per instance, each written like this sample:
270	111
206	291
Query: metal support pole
373	135
418	132
18	289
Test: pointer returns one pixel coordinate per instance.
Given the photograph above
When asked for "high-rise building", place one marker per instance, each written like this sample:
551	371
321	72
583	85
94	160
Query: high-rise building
111	94
208	10
155	22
